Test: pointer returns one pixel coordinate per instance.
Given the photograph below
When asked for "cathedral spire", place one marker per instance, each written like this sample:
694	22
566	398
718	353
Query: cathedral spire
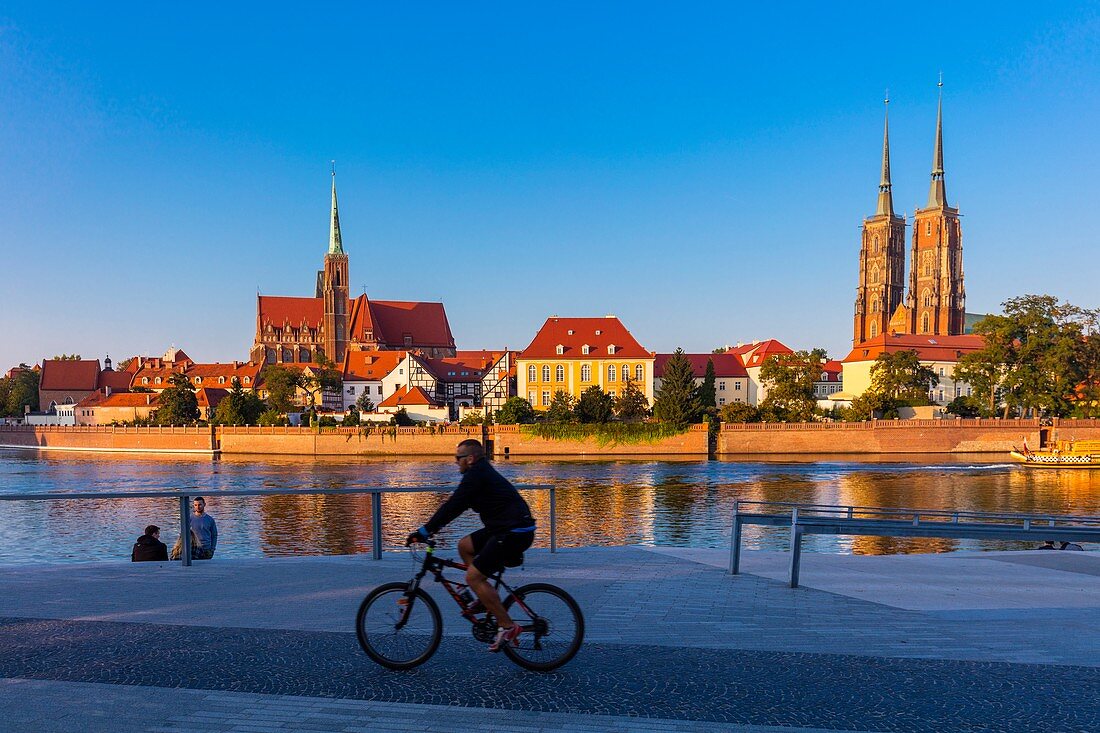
335	244
885	198
937	192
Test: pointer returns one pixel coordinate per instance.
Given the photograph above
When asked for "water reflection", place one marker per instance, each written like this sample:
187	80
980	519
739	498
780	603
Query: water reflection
684	503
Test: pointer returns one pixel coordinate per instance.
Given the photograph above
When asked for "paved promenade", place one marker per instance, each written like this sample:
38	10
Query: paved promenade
959	642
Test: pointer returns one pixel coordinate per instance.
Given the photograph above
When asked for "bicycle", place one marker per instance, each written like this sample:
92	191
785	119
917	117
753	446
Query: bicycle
399	625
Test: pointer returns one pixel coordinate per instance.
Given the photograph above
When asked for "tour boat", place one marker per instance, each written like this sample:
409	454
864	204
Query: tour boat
1061	454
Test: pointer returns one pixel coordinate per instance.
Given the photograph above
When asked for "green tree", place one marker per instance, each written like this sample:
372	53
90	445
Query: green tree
272	417
282	384
19	392
178	405
324	376
871	404
401	419
561	408
789	381
739	412
964	406
631	405
901	377
351	417
239	407
364	403
471	418
66	357
676	401
516	411
706	391
594	406
1088	403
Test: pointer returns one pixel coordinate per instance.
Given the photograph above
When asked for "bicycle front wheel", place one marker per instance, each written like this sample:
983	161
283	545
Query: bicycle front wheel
386	639
552	623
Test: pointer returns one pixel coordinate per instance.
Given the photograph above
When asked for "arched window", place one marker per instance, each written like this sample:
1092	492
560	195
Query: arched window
639	372
559	373
874	274
586	373
928	228
924	323
303	354
246	380
288	355
269	356
156	381
874	330
546	373
221	380
874	305
926	297
532	373
145	380
611	372
878	247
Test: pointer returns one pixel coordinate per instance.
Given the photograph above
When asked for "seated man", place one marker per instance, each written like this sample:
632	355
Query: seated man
149	547
509	530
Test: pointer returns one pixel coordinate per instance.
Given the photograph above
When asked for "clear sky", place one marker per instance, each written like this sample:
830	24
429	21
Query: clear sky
699	170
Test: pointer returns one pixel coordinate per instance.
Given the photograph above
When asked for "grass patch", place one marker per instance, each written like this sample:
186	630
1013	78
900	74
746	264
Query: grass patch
605	434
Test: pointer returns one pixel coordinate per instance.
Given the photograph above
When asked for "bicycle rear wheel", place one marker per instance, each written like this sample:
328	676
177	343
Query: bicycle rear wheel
552	623
384	641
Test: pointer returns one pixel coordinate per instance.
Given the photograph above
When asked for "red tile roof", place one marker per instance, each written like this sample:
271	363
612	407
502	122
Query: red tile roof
473	363
279	310
756	353
831	371
405	396
725	365
928	347
370	365
58	374
117	381
210	396
247	372
119	399
392	320
573	333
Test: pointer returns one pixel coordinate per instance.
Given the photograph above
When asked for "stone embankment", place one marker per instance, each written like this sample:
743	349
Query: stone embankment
874	437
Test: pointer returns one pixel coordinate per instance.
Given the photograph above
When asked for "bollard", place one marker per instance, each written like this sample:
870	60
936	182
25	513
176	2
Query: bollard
796	547
376	524
735	542
185	530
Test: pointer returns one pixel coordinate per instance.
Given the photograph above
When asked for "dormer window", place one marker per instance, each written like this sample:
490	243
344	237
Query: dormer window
157	380
570	332
221	380
145	380
598	332
246	380
198	380
586	349
560	349
611	349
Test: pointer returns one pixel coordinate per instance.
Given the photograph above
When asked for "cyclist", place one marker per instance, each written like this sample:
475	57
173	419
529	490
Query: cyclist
509	530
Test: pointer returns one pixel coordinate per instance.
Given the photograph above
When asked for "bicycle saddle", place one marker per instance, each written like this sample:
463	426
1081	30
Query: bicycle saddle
514	562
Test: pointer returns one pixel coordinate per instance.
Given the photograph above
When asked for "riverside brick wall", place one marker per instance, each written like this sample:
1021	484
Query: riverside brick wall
105	439
879	436
511	441
304	441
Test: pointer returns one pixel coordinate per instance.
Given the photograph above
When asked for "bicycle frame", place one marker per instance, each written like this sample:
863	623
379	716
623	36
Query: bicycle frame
435	566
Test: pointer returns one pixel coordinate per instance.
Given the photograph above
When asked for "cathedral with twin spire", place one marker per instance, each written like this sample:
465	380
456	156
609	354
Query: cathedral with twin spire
935	303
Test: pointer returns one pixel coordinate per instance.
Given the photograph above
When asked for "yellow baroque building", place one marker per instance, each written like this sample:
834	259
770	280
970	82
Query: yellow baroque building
572	354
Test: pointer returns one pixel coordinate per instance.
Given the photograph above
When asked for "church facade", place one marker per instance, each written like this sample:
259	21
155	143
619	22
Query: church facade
935	303
301	331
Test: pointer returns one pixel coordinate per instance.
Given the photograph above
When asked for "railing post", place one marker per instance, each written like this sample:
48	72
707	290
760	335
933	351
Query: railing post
735	541
376	524
553	520
185	530
796	547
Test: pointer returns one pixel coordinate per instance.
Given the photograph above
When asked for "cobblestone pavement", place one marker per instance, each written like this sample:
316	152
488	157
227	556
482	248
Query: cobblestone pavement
689	684
673	644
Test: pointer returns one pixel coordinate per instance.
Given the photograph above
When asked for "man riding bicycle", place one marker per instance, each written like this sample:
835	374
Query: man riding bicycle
509	530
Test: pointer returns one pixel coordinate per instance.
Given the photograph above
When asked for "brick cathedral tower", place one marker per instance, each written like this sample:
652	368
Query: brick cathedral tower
881	258
936	302
334	288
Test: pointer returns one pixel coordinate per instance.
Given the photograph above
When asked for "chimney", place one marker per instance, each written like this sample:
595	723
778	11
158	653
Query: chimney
107	391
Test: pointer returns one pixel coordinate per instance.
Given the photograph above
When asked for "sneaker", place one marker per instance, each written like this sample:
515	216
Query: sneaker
506	636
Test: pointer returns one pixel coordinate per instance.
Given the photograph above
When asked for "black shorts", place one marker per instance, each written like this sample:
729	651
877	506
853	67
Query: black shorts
494	552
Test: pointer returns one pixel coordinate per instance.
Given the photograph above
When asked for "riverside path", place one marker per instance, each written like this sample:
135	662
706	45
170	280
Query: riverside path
959	642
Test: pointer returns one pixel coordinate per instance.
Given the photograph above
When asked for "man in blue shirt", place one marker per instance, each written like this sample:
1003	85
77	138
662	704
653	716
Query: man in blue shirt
204	526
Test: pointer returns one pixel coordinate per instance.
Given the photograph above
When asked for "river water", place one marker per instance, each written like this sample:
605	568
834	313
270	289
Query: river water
604	502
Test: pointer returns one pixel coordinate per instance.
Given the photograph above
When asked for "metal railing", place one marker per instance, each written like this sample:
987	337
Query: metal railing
184	497
902	522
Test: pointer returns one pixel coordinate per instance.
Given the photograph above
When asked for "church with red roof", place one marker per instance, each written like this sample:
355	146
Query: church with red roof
298	330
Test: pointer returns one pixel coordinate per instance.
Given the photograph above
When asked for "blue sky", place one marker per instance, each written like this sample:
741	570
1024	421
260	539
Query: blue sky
699	171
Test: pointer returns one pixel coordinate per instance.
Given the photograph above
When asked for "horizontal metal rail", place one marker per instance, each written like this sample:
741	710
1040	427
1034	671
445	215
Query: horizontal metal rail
185	495
879	522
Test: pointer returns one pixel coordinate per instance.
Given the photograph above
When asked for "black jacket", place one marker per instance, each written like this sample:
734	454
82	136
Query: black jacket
149	548
492	496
